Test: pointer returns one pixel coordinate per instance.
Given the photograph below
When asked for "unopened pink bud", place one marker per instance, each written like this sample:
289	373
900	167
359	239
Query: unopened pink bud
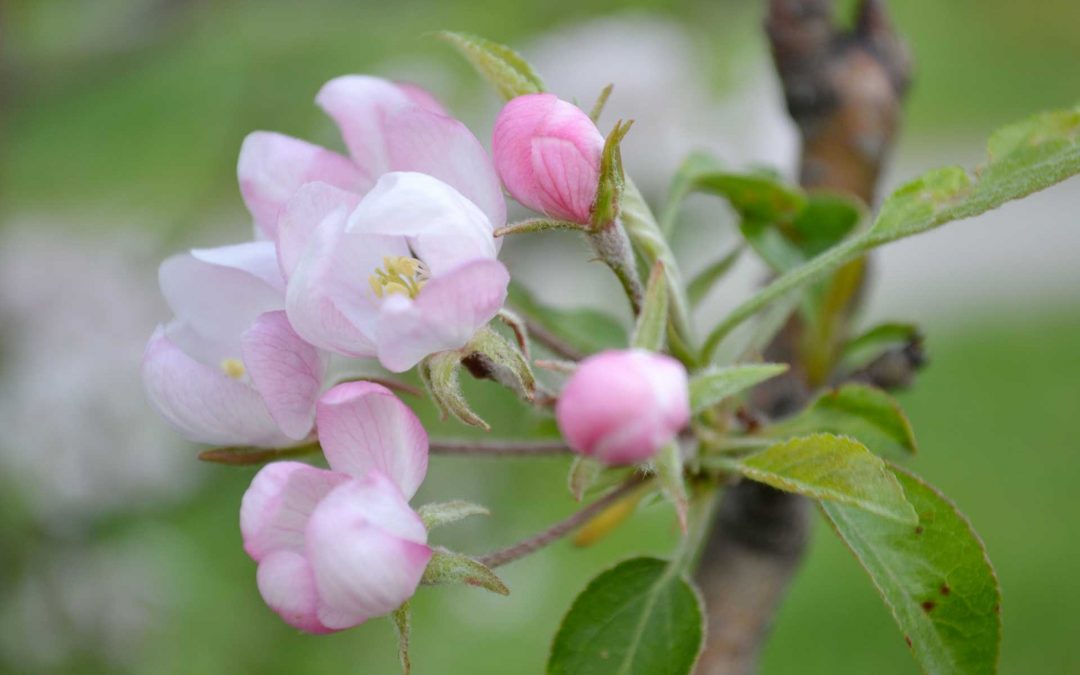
621	406
547	153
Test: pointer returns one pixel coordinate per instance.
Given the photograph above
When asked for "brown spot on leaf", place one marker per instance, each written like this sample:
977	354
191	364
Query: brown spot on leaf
945	590
907	639
918	529
928	606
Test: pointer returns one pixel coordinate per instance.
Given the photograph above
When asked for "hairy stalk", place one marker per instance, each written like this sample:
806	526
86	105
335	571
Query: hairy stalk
562	528
554	344
499	448
612	246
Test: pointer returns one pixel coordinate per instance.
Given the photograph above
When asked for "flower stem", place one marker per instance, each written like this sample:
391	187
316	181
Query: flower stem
499	448
562	528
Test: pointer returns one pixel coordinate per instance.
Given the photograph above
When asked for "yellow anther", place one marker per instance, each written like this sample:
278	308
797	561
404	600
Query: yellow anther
399	274
234	368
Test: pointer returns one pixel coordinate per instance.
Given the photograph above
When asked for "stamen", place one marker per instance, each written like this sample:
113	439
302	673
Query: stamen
399	274
234	368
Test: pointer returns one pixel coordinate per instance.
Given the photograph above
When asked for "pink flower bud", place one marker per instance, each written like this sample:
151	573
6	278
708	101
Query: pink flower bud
547	153
621	406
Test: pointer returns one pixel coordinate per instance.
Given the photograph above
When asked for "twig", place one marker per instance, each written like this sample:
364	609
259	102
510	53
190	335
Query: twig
562	528
843	90
499	448
555	344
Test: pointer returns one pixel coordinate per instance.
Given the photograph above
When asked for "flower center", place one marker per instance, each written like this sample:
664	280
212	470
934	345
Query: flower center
234	368
399	274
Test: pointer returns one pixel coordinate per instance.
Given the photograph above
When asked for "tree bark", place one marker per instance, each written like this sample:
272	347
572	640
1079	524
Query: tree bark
843	90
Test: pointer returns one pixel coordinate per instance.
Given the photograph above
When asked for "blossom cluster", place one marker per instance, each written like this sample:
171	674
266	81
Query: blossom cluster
387	253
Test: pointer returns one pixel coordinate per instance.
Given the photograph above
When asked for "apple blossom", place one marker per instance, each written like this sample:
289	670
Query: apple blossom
337	547
622	406
386	127
547	153
404	272
229	369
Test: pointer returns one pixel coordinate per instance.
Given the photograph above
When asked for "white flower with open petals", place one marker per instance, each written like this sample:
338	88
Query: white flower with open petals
229	369
407	271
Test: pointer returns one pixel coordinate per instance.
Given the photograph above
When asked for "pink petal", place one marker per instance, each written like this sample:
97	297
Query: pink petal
422	97
308	208
219	292
277	506
285	370
329	299
203	403
367	550
273	166
386	130
442	227
288	587
364	427
445	315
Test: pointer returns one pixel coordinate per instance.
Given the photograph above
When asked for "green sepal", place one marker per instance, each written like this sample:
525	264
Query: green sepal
437	514
448	567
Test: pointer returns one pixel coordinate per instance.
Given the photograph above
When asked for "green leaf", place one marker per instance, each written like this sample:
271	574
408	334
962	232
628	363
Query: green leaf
824	222
585	330
1023	158
865	413
652	322
701	284
641	617
714	384
935	578
831	468
862	350
501	66
448	567
438	514
584	472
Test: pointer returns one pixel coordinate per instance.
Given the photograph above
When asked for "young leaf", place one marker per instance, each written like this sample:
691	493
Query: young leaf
443	513
865	413
652	322
714	384
402	618
701	284
447	567
584	330
830	468
584	471
641	617
935	578
501	66
874	342
439	373
1023	158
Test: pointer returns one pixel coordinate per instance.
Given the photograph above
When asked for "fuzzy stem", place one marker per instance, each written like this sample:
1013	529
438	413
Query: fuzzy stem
499	448
560	529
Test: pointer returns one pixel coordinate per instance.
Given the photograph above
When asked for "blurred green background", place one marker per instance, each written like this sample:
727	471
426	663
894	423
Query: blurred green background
121	120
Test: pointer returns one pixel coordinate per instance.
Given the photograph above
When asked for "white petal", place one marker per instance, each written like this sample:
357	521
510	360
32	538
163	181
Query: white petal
277	506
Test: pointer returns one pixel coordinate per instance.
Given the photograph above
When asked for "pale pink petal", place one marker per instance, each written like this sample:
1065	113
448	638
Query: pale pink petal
422	97
203	403
445	315
367	549
442	227
329	299
285	370
288	587
273	166
364	427
309	207
277	506
219	292
386	129
440	146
